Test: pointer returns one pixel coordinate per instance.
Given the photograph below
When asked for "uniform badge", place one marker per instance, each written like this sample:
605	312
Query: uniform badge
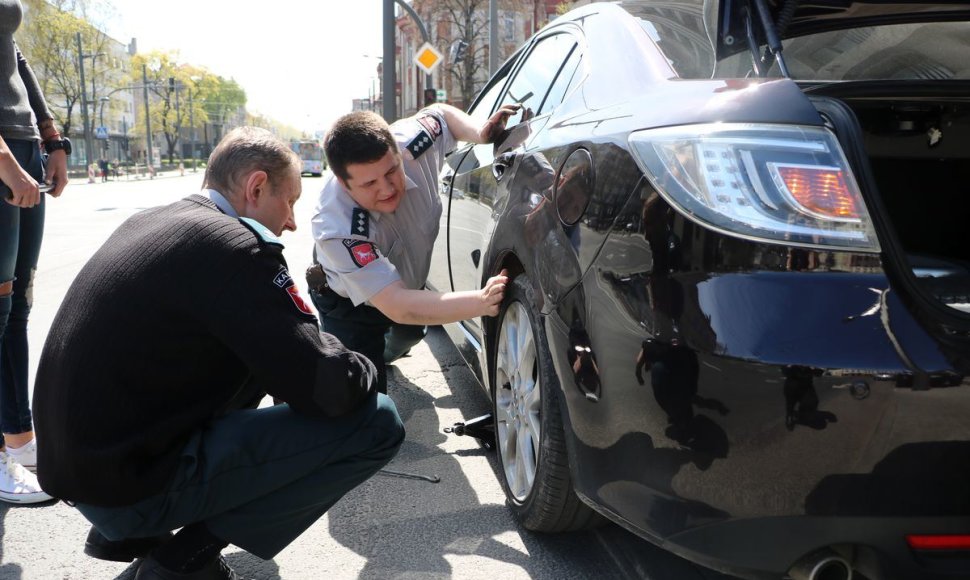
360	222
431	123
420	144
298	300
285	281
282	278
361	252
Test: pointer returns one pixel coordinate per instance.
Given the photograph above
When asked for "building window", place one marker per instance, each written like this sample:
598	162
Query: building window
508	26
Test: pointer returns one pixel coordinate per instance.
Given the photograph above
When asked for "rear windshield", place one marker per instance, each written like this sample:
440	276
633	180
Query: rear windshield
686	31
930	51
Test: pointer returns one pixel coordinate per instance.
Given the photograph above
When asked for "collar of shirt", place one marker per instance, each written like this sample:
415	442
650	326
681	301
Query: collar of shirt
221	202
409	184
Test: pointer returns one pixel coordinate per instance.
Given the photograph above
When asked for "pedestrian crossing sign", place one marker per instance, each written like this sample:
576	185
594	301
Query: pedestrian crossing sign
101	132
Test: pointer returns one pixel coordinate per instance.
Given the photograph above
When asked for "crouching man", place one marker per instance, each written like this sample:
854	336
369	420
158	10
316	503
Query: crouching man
164	345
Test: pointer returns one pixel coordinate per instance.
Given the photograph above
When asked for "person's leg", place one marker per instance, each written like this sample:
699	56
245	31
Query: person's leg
400	338
15	418
359	328
258	478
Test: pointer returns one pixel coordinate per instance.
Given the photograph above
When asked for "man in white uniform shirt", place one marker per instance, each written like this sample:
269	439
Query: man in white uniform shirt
375	225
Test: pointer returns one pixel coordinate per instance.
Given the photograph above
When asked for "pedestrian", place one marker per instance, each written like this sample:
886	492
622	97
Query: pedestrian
375	226
21	231
164	345
103	167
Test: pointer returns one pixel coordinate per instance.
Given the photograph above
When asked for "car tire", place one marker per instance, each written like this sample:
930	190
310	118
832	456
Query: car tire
529	436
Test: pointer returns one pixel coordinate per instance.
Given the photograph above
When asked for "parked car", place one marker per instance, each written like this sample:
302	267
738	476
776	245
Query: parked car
739	320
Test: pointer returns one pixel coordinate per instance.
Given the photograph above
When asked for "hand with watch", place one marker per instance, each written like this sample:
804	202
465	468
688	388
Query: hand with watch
57	148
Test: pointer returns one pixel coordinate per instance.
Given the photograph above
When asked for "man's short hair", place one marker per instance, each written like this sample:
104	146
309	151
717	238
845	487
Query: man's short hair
359	137
244	150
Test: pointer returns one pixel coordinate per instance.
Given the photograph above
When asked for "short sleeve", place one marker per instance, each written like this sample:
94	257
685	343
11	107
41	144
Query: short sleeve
361	270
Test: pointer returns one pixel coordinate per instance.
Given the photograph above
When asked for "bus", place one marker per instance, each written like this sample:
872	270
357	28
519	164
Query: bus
311	153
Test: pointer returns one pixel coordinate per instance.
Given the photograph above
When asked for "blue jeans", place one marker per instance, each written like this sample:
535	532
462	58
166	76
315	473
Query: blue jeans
259	478
21	232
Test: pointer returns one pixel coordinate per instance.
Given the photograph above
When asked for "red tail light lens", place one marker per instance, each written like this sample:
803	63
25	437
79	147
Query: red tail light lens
939	542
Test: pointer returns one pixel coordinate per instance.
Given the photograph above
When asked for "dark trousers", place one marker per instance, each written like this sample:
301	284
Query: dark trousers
259	478
366	330
21	233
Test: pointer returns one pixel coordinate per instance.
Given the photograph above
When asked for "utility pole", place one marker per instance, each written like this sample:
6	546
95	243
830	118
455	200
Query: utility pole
88	148
389	82
195	169
492	37
148	121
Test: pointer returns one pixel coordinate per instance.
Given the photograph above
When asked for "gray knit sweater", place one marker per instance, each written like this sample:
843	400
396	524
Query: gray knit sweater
20	94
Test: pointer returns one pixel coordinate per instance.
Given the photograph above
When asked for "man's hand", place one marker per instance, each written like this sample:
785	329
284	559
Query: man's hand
493	129
494	292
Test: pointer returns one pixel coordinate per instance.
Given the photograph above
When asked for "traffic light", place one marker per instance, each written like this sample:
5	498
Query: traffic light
430	96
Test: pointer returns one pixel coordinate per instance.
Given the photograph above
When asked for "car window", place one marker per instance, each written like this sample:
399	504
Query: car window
535	77
486	104
562	82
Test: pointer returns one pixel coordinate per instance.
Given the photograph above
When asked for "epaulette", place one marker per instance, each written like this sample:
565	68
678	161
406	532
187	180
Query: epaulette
360	222
261	231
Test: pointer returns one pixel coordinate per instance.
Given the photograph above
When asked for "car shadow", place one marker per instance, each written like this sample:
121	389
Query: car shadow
414	528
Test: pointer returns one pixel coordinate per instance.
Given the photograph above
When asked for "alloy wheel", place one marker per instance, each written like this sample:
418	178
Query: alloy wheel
518	401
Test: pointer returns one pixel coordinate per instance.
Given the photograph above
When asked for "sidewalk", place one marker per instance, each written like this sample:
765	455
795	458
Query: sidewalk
75	181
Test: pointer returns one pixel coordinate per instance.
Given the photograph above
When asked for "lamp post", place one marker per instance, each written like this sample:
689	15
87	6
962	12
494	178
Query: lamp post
148	122
88	146
102	101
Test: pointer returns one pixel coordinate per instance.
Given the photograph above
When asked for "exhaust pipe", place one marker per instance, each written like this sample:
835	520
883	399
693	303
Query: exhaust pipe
825	564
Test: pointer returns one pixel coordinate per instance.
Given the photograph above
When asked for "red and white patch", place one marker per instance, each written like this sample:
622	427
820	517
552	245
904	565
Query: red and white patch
301	304
362	253
431	123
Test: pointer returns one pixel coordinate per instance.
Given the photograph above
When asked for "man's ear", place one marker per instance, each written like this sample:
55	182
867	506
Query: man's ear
256	185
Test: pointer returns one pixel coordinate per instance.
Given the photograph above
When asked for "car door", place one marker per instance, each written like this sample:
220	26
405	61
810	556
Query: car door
481	179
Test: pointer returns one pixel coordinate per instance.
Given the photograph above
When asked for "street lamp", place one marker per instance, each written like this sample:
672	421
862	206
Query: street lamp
88	146
103	100
148	120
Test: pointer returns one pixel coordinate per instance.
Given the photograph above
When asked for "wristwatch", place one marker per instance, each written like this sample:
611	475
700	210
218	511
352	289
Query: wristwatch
55	145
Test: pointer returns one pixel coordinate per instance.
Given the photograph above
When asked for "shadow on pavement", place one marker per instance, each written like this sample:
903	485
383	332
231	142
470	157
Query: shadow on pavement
408	528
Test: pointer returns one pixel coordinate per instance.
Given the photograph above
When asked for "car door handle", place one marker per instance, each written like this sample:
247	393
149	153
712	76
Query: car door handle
502	164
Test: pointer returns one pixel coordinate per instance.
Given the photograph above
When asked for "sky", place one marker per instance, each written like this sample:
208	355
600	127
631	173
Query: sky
301	62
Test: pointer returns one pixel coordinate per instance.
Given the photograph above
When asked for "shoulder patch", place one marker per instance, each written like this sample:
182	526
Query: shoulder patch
361	252
261	231
420	144
360	222
284	281
431	123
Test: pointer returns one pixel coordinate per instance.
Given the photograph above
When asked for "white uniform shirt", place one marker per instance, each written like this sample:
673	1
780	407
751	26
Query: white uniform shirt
363	252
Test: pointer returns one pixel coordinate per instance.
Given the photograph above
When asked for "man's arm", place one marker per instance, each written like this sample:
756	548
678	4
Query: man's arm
424	307
466	128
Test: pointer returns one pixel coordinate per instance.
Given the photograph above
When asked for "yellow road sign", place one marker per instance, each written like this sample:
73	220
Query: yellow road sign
427	58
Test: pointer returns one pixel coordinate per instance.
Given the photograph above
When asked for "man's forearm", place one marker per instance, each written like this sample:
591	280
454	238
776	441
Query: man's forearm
424	307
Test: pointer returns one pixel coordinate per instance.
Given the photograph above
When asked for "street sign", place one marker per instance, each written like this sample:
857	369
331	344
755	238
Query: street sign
101	132
441	96
427	58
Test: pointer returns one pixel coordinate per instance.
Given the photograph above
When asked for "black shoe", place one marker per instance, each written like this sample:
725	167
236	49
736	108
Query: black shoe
100	547
152	569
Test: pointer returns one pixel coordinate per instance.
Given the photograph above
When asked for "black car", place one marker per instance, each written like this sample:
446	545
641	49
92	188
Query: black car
739	324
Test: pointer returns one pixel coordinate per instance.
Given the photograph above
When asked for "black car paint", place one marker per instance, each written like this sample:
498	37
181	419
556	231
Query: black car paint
739	402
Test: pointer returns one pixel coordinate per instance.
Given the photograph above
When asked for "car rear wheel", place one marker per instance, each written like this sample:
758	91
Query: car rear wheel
528	427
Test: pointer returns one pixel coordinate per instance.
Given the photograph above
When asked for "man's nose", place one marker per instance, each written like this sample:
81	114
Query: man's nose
290	224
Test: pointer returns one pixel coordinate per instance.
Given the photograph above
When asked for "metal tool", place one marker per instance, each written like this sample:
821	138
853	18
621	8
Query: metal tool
405	475
481	428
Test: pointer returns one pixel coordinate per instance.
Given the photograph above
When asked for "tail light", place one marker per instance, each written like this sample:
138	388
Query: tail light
782	184
939	542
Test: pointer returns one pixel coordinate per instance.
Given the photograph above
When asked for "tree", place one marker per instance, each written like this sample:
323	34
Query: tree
48	39
184	93
451	21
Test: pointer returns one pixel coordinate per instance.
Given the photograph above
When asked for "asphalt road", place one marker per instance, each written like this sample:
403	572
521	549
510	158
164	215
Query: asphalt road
388	528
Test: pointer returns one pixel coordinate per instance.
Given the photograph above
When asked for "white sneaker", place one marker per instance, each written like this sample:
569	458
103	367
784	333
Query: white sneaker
17	485
25	455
